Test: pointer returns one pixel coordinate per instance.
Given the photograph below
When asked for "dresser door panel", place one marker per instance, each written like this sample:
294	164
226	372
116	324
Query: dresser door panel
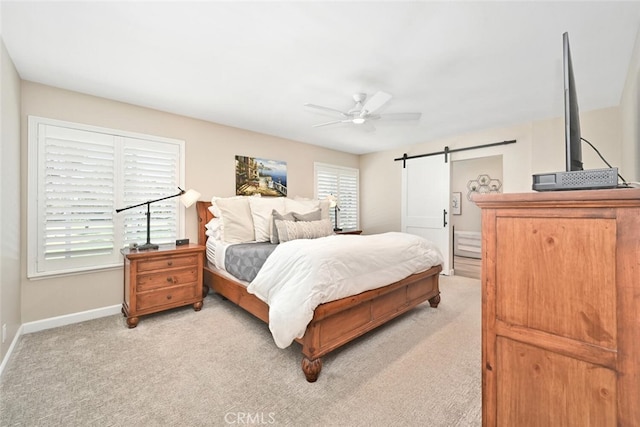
536	387
558	275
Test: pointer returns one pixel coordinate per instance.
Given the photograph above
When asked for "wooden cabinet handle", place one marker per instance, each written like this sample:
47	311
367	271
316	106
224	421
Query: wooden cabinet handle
168	296
172	279
170	263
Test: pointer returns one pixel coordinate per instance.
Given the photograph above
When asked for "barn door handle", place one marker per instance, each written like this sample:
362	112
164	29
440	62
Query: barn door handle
444	217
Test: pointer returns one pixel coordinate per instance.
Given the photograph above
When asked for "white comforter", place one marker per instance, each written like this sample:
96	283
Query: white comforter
301	274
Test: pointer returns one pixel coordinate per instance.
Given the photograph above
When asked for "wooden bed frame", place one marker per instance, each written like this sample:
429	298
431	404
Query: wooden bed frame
334	323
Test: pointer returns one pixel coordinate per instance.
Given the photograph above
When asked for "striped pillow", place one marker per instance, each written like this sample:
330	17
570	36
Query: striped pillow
291	230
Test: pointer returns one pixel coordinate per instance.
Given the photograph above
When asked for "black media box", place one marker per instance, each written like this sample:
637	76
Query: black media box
181	242
591	179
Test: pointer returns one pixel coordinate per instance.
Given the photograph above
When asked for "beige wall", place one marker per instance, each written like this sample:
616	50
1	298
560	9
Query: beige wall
539	148
630	105
462	172
210	168
9	191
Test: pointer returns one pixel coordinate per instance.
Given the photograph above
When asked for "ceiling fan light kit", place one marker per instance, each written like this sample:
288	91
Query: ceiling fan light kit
363	112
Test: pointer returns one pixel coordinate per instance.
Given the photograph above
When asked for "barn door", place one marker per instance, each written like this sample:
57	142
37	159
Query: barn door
425	202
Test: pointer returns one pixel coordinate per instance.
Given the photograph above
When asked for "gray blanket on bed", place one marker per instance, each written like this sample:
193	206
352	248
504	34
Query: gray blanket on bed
244	260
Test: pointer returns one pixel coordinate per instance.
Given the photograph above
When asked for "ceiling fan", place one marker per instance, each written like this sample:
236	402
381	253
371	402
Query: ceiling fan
364	111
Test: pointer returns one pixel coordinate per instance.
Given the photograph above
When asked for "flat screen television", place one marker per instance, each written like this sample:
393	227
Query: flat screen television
572	135
574	177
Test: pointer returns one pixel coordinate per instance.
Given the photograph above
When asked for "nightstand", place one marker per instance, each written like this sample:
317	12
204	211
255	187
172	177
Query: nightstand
349	231
157	280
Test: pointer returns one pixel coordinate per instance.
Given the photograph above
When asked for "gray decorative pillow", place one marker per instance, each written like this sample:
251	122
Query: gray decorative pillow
311	216
277	216
291	230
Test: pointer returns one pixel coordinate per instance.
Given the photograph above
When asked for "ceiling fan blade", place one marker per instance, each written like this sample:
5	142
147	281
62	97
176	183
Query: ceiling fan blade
333	122
326	109
401	116
376	101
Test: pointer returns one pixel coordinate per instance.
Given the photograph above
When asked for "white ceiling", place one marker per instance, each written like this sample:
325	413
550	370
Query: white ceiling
465	65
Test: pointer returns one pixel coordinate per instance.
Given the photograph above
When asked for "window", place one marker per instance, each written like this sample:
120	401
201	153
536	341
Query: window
343	183
78	176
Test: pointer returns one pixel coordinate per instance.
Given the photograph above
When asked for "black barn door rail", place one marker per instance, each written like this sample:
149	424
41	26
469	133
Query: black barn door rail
446	152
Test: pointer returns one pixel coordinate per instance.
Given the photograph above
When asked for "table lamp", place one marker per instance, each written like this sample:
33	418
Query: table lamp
187	198
333	203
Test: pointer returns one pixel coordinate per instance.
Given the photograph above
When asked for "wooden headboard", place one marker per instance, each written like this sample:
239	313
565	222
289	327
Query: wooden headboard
204	216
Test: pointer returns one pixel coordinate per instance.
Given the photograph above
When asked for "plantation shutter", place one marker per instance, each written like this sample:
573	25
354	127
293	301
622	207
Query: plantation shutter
78	176
342	183
76	204
150	173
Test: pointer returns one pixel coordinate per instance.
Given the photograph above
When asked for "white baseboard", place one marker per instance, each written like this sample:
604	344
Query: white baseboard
7	356
68	319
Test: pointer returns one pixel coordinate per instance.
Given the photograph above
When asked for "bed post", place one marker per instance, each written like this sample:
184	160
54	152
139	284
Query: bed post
204	216
311	368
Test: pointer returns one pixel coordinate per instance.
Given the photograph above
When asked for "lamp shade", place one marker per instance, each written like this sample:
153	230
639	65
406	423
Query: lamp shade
189	197
332	200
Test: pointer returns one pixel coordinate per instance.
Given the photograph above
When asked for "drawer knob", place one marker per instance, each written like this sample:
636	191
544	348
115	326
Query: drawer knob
168	296
172	279
170	263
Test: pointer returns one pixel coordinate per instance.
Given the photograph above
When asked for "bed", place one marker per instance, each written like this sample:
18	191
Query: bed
334	323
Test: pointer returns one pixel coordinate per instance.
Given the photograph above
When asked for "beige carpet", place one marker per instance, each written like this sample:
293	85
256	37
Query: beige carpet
220	367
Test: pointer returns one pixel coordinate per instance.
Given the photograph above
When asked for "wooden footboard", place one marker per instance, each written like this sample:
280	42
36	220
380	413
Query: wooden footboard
337	322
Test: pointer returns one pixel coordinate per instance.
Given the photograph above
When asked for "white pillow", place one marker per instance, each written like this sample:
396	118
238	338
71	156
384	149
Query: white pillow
215	229
291	230
261	213
301	206
214	224
214	208
236	219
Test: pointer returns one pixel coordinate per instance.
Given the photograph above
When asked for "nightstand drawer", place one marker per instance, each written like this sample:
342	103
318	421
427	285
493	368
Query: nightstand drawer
146	300
168	262
163	279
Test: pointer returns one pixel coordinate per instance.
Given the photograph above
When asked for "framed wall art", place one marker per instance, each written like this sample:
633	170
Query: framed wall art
456	203
260	176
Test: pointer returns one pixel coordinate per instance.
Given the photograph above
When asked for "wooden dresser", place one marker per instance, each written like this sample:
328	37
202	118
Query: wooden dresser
157	280
561	308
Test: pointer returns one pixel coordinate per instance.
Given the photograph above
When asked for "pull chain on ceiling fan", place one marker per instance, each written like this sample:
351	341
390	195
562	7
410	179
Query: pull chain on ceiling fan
364	112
